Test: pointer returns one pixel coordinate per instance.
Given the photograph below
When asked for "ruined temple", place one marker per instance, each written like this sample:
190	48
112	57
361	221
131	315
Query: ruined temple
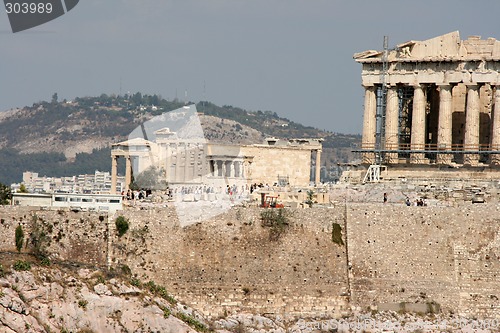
432	102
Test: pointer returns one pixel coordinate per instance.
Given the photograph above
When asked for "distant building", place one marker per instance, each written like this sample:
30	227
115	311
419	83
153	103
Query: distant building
99	182
71	201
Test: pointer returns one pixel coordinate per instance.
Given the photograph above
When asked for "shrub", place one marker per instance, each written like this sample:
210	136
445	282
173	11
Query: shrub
337	234
22	265
83	303
192	322
310	196
121	225
44	261
276	220
19	238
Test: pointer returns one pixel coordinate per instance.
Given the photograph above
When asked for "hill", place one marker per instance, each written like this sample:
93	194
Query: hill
63	138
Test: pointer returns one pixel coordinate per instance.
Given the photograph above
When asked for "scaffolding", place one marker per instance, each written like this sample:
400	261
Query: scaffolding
373	172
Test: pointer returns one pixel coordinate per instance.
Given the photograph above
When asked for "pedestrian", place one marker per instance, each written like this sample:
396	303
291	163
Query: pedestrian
385	197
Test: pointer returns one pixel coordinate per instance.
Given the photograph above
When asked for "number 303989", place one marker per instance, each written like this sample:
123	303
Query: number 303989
25	8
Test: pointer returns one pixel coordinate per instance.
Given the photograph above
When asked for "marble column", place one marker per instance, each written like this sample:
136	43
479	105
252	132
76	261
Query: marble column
391	125
445	122
114	165
187	163
177	177
317	173
242	171
216	168
224	171
168	163
417	141
195	162
495	140
231	169
369	124
471	140
128	172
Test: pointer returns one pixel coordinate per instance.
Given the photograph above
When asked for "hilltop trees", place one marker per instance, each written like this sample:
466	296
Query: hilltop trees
5	194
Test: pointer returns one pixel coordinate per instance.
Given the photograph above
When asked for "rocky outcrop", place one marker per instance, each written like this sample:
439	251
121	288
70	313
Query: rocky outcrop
54	300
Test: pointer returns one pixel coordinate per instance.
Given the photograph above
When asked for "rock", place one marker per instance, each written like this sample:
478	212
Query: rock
102	289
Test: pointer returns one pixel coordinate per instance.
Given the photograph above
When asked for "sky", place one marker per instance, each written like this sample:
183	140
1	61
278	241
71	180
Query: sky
292	57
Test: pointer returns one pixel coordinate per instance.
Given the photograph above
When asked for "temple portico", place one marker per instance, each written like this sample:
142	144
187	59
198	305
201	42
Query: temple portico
197	162
434	101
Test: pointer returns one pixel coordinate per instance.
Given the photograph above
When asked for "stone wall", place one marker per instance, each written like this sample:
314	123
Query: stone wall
67	236
448	255
230	263
394	254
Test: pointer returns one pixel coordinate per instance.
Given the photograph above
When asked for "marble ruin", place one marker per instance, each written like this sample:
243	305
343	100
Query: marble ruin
432	102
197	162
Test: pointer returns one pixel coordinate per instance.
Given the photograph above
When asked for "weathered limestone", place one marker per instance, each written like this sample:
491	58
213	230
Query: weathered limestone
451	106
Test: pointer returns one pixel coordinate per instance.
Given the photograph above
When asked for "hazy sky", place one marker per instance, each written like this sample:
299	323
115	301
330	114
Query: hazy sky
293	57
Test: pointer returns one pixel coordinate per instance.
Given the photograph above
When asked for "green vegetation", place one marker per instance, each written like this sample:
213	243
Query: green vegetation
160	291
40	237
276	220
2	271
122	225
337	234
152	178
22	265
5	191
83	303
22	189
166	311
192	322
19	238
310	197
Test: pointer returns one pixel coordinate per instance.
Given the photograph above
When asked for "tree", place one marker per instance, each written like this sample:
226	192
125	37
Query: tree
54	98
151	178
5	194
23	189
19	238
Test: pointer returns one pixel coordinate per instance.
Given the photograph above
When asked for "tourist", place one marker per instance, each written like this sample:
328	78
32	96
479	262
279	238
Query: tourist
385	197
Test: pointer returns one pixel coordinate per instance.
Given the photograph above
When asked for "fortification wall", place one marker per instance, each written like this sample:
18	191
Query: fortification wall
62	235
448	255
230	263
394	254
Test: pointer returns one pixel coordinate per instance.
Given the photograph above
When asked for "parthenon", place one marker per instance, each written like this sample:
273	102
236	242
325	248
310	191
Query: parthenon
432	102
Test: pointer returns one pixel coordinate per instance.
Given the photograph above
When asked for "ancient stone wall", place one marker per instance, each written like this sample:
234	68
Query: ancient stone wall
231	263
448	255
394	254
61	235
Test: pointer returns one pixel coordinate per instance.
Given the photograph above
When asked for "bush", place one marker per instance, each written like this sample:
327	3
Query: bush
22	265
337	234
276	220
122	225
19	238
192	322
